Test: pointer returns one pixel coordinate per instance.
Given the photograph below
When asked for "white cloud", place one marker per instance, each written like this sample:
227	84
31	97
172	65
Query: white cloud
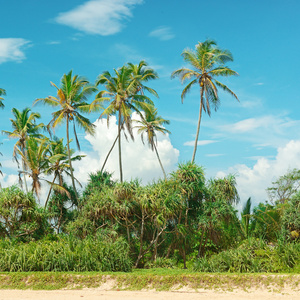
253	181
11	49
139	161
103	17
8	179
277	123
262	131
199	143
163	33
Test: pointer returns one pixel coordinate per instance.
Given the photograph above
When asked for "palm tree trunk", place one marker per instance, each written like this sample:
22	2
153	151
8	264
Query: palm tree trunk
120	154
198	127
160	161
50	191
108	154
23	165
69	155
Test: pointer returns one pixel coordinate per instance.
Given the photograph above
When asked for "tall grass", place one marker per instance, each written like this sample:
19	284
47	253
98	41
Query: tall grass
253	256
65	254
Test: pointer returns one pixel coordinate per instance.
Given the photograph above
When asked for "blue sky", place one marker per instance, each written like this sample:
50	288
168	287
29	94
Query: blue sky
257	139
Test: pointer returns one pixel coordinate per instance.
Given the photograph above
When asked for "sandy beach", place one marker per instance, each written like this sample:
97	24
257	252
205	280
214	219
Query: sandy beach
93	294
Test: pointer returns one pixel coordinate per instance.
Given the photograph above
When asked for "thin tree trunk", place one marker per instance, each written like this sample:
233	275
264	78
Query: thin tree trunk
141	241
23	165
69	155
184	257
50	191
108	154
160	162
198	127
200	245
120	154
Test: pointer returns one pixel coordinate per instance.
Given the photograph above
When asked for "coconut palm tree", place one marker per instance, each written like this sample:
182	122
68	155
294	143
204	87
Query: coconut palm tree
2	93
35	160
149	125
208	63
123	97
142	73
24	125
71	99
59	162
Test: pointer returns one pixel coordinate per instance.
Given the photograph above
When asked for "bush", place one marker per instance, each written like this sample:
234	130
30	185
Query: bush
290	224
65	254
20	216
253	256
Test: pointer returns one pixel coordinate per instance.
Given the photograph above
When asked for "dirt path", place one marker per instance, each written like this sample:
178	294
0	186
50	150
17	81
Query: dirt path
93	294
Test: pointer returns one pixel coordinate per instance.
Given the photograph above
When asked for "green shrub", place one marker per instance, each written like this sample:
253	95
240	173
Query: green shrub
161	262
253	256
65	254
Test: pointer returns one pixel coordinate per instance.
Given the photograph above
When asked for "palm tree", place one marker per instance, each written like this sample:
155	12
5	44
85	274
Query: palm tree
2	93
208	62
122	93
35	160
24	125
150	124
59	162
71	100
142	73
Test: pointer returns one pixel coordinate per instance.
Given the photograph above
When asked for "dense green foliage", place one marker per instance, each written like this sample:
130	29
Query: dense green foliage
65	254
20	216
253	256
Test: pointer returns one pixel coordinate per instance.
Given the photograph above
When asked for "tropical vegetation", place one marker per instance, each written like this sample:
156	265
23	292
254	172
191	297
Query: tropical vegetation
183	220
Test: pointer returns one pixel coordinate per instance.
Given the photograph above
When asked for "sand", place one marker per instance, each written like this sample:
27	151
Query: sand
99	294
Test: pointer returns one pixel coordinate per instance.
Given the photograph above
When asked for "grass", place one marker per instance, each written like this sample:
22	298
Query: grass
159	279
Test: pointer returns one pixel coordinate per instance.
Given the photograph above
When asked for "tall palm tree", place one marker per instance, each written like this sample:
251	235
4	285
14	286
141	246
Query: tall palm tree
123	97
24	125
71	99
149	125
2	93
208	62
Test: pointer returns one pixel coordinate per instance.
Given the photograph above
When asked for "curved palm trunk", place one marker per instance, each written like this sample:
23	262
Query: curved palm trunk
120	154
160	162
69	155
108	154
198	127
50	191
